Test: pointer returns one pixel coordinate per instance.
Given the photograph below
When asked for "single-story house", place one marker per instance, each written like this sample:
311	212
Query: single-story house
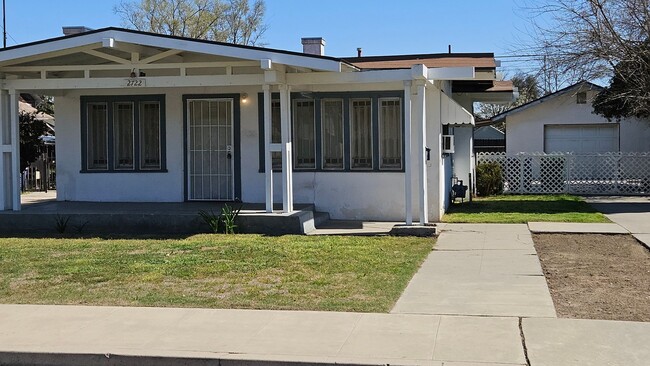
564	121
144	117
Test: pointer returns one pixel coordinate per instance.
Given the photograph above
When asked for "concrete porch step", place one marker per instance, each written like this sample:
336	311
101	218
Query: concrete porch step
113	218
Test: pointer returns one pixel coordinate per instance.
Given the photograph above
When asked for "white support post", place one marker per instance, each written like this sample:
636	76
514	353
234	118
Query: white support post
422	141
408	196
15	149
290	150
268	163
4	179
285	123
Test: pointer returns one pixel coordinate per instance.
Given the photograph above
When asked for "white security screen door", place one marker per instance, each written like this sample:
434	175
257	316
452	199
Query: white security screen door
210	149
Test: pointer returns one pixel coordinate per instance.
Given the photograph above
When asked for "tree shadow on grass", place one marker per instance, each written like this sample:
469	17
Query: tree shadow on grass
522	207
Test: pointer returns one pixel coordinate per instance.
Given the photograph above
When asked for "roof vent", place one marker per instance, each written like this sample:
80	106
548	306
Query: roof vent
313	46
70	30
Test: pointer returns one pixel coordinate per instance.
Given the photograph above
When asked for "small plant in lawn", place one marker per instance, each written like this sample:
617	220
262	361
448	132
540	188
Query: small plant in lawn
213	220
223	222
489	180
229	215
61	223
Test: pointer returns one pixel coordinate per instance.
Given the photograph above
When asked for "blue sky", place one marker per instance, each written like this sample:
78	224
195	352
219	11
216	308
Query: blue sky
380	27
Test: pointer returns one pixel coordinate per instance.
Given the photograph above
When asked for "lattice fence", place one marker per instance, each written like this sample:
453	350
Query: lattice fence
602	173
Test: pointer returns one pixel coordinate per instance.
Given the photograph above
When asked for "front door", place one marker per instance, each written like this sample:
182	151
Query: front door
210	149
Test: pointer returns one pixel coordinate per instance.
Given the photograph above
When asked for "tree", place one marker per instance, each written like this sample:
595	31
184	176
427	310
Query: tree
233	21
595	39
528	90
31	145
628	94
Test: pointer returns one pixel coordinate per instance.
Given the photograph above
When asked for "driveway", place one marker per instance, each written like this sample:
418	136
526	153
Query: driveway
632	213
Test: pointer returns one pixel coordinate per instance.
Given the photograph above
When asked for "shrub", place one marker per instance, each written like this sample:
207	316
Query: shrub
489	180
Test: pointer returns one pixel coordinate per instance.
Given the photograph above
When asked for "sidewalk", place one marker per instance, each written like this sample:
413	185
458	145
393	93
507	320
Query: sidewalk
632	213
480	269
290	336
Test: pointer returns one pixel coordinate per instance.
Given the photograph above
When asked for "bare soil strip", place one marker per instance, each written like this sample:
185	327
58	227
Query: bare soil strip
594	276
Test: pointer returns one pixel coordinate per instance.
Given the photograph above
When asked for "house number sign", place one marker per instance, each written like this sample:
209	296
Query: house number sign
134	83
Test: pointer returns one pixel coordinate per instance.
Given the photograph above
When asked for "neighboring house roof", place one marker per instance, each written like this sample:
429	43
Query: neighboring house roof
577	86
28	108
482	62
488	133
478	60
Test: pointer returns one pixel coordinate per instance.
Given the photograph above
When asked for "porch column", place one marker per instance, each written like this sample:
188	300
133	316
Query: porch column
268	163
5	150
422	142
287	166
408	197
9	151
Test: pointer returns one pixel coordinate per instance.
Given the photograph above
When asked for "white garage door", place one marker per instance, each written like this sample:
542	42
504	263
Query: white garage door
581	138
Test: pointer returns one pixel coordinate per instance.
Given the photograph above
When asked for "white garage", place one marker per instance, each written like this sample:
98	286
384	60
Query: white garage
565	122
581	138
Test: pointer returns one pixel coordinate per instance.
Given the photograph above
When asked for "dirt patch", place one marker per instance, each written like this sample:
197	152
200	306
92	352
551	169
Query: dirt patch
593	276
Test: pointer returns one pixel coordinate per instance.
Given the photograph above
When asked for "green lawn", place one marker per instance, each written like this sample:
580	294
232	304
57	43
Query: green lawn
522	209
335	273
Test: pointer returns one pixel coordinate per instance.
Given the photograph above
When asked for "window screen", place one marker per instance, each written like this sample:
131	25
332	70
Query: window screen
149	135
304	131
361	134
390	134
332	133
97	141
123	135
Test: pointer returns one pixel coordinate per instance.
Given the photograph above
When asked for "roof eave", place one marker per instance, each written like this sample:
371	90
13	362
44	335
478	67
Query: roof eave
315	62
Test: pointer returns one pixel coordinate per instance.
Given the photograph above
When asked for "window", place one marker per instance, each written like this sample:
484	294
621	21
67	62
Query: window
304	134
581	98
361	134
339	131
332	133
123	133
276	135
97	154
390	134
150	135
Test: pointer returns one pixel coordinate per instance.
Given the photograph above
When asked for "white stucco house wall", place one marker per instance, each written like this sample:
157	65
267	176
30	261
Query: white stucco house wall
564	122
143	117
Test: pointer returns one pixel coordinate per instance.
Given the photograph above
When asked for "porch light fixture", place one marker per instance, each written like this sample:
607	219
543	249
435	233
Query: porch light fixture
133	73
244	98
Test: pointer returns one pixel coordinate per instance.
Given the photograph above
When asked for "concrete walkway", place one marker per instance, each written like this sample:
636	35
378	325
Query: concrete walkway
632	213
480	269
